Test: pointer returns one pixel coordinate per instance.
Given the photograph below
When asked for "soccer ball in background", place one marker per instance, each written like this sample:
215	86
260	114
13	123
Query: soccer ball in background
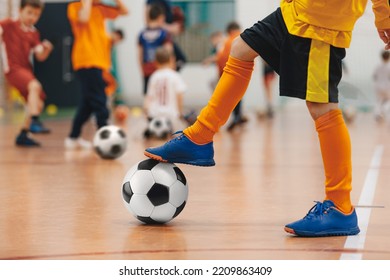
110	142
160	127
154	192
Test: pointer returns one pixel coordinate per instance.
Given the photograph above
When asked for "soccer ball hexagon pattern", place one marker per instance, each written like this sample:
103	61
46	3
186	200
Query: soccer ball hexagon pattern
154	192
110	142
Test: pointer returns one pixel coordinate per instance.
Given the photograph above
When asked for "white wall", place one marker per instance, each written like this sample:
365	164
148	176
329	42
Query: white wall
129	72
361	57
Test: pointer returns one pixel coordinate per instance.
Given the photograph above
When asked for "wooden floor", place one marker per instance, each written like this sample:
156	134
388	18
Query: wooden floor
58	204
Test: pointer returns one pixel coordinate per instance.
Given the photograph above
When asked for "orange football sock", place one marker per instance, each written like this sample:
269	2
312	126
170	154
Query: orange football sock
228	92
336	155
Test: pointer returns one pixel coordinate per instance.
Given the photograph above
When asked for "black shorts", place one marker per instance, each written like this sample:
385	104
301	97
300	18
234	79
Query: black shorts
309	69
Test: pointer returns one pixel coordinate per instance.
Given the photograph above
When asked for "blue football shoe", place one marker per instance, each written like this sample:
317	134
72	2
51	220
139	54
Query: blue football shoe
183	150
24	141
37	127
324	219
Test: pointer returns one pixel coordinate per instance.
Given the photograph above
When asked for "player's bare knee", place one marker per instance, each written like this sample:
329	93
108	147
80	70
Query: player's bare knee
317	110
242	50
35	87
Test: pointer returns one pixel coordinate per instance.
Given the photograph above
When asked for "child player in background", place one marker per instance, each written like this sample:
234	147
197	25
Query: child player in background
90	58
151	38
166	88
18	39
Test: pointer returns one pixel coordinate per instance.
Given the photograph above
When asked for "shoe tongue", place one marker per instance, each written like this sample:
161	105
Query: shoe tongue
328	203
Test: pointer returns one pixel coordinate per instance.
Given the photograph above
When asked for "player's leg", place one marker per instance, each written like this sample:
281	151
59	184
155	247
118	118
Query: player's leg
335	215
146	82
238	117
25	82
227	94
195	145
23	138
83	113
97	97
268	78
335	147
35	106
381	98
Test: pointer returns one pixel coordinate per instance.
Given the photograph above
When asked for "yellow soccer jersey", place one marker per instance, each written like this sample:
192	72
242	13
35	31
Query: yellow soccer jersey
330	21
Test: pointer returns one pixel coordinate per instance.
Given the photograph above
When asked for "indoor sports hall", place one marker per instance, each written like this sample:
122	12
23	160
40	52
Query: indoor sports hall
60	203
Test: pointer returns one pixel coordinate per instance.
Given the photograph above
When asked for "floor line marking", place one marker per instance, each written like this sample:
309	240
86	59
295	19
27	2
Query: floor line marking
366	198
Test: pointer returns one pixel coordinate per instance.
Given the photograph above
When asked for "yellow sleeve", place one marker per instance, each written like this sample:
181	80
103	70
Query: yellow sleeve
72	12
381	10
109	12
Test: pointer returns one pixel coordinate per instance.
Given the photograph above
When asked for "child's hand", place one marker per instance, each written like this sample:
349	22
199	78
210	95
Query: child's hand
86	2
173	28
47	45
384	34
43	50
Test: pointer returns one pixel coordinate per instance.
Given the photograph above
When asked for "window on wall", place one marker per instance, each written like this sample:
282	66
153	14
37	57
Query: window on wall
202	18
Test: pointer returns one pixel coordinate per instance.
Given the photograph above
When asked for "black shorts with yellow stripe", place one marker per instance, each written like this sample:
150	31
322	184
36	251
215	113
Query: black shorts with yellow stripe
309	69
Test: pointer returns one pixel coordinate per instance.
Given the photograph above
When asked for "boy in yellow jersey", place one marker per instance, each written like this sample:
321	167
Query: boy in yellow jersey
304	41
90	58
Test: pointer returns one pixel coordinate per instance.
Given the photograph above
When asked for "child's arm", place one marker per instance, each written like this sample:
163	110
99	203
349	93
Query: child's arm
382	21
122	9
85	11
43	50
112	12
384	34
173	28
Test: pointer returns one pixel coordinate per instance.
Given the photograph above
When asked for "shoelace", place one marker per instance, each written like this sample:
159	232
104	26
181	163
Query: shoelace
178	137
318	209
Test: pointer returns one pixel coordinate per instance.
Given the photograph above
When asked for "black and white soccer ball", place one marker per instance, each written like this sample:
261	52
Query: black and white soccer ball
160	127
154	192
110	142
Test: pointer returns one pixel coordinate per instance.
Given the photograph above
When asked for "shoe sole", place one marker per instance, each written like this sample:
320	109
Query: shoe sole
155	157
159	158
40	132
28	146
353	231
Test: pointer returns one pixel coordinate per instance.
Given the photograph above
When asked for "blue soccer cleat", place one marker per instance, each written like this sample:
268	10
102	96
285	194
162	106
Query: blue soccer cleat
183	150
324	219
37	127
24	141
